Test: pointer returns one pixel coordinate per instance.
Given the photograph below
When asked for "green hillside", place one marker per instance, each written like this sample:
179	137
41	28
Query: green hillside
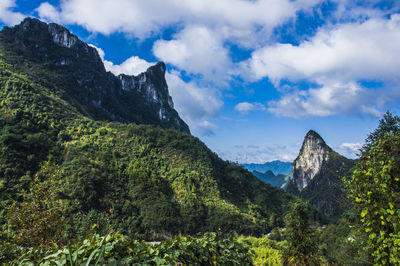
145	180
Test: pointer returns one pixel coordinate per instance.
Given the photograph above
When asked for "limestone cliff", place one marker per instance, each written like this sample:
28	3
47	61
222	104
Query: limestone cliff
313	156
53	50
318	173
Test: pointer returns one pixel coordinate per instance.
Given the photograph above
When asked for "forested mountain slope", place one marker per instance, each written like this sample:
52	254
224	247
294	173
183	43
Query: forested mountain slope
113	155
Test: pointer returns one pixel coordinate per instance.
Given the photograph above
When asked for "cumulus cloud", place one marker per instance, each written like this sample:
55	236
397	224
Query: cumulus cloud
197	50
337	60
49	13
141	17
246	107
132	66
196	105
330	99
7	15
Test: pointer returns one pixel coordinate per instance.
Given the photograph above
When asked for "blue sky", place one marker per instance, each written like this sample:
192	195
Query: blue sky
250	77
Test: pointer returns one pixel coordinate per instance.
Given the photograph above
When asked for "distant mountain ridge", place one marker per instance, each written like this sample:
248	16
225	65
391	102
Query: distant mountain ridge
277	167
274	180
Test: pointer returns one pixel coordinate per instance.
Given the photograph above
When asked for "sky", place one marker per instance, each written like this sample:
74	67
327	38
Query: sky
250	77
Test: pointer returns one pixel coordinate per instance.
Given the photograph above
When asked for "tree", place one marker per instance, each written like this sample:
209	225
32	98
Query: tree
302	248
375	189
388	125
38	220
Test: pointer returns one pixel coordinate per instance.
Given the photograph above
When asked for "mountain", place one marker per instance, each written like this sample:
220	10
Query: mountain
318	173
277	167
110	150
88	87
275	180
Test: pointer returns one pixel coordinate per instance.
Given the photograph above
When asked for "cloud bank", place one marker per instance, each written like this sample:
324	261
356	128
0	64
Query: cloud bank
337	60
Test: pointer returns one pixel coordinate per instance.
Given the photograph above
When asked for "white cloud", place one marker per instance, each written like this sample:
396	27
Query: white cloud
141	17
350	51
197	50
330	99
336	59
7	15
49	12
132	66
246	107
196	105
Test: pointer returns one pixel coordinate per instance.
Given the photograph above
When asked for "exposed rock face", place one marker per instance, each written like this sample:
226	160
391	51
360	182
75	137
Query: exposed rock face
95	92
62	36
313	155
318	173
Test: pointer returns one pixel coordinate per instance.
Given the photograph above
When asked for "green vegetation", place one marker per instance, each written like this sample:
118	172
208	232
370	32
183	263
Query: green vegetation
302	248
375	188
116	249
266	251
343	243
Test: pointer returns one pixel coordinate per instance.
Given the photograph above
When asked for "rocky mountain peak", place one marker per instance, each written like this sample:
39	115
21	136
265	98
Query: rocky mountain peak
50	43
99	94
314	153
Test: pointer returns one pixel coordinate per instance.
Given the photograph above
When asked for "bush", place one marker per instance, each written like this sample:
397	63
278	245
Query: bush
116	249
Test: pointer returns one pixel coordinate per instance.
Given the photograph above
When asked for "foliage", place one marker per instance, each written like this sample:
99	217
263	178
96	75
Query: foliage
375	189
343	243
302	248
388	125
116	249
38	220
266	251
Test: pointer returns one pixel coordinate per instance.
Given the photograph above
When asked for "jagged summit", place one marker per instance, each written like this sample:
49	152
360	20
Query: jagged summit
313	134
86	84
317	175
314	153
